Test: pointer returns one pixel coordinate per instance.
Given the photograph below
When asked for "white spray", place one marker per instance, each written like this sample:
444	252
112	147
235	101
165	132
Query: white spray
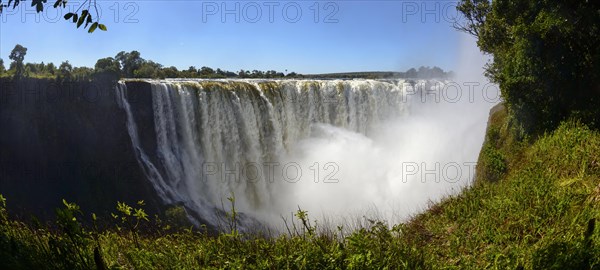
335	148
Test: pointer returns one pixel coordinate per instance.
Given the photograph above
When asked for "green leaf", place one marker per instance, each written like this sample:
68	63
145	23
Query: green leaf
88	21
75	16
39	5
93	27
81	19
69	15
102	27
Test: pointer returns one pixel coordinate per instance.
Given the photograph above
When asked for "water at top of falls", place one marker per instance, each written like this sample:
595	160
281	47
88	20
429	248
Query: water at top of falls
328	146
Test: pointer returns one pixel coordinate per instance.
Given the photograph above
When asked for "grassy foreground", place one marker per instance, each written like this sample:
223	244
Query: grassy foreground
534	206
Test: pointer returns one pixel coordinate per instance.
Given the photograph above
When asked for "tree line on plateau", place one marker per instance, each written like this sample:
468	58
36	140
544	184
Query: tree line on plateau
132	65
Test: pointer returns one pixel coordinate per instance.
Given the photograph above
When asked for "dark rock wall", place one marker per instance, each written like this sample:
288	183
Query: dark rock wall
69	140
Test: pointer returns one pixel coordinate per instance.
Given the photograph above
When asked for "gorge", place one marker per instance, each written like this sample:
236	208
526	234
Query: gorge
336	148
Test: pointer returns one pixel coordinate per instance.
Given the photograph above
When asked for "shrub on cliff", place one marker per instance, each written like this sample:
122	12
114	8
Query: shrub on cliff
546	57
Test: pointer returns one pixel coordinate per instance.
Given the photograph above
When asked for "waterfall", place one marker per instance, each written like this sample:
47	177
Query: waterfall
215	138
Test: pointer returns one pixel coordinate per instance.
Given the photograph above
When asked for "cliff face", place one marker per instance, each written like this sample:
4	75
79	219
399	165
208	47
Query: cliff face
73	140
69	140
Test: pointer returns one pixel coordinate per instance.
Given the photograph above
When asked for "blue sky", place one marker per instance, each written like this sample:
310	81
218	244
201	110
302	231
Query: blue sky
342	36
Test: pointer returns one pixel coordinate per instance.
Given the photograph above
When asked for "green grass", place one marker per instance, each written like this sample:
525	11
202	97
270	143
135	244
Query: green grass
540	200
533	206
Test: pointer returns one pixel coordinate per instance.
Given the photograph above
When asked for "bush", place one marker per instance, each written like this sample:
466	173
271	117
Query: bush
546	57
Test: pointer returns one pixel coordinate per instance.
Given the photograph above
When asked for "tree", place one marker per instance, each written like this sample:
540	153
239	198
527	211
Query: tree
82	73
85	16
270	74
33	68
148	69
411	73
475	12
170	72
257	74
437	72
18	55
130	61
2	68
64	71
423	72
191	72
51	68
546	57
230	74
206	72
108	67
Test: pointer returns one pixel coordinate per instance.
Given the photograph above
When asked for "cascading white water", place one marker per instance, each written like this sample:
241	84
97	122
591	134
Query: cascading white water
337	148
215	138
